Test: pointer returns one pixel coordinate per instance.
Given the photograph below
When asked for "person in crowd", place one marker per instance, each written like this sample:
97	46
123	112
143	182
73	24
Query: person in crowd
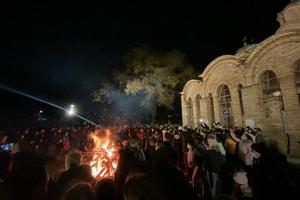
214	163
241	187
5	165
191	154
246	153
163	153
231	144
172	183
72	163
28	177
5	171
3	138
152	163
106	189
150	150
79	191
127	164
141	187
84	174
259	138
177	146
199	177
270	174
136	148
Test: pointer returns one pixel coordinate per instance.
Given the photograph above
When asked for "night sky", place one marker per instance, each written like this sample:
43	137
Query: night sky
59	50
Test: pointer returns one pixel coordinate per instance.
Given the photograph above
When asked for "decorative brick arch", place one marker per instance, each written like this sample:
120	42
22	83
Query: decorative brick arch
188	86
276	64
266	46
217	64
210	67
271	65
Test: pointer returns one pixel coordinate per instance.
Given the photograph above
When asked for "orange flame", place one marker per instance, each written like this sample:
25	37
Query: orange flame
105	156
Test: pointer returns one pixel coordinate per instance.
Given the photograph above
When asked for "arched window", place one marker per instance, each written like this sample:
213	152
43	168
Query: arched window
198	112
211	107
225	106
297	77
270	84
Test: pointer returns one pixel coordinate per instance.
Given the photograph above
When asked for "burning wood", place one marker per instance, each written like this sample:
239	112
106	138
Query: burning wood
105	156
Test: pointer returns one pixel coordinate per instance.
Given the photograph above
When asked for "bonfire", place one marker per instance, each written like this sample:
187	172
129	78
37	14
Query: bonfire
104	155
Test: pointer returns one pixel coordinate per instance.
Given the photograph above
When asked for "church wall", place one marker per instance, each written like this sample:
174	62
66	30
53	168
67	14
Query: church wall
281	59
277	116
227	73
252	106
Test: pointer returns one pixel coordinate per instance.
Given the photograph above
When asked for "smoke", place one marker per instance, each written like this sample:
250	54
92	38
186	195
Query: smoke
129	107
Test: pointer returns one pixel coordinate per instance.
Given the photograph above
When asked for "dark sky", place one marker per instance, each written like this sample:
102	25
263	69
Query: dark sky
59	50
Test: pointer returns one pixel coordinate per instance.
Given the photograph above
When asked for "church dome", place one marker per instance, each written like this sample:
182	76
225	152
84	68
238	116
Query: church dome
289	17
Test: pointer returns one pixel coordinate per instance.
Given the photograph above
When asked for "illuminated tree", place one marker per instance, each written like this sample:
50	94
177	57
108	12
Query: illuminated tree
156	75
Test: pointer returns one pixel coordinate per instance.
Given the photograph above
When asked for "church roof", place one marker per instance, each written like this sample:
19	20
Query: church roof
246	49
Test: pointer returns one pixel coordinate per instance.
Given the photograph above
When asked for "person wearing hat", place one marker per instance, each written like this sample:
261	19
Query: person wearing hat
246	153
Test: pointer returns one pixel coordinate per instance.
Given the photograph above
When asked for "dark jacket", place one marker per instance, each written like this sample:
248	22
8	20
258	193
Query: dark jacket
214	161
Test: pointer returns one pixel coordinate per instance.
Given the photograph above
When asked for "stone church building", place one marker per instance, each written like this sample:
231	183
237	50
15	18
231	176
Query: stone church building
259	86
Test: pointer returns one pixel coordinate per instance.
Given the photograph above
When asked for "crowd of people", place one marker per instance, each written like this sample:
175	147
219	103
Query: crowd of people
155	162
47	142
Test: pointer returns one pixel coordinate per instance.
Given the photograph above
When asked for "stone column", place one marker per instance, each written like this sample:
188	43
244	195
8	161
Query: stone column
204	110
236	108
183	110
195	115
216	109
190	114
209	108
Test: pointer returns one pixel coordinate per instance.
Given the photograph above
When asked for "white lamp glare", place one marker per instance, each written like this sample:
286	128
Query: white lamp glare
71	111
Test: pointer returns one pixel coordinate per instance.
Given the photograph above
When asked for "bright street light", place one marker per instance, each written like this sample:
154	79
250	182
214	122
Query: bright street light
71	111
